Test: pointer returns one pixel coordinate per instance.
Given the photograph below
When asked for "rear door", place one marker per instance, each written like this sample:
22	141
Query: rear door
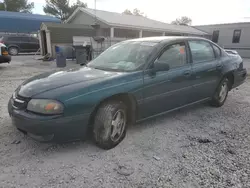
166	90
206	68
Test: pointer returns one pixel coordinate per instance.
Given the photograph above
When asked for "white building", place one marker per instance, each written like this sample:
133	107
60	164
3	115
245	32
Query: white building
115	27
234	36
111	24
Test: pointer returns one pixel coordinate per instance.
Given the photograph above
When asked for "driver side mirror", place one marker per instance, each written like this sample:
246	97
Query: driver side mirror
160	66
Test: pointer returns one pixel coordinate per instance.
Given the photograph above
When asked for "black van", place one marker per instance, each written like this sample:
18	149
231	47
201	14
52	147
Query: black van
20	43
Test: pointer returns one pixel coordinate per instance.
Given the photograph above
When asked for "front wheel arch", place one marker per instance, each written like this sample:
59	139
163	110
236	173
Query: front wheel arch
14	46
128	99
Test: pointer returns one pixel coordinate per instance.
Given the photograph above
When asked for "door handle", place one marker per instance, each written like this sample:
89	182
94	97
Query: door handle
187	73
218	66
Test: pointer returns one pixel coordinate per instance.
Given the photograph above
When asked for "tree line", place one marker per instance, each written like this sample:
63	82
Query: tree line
62	9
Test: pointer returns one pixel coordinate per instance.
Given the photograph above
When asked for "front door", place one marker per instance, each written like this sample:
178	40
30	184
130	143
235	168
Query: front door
33	44
167	90
24	44
206	67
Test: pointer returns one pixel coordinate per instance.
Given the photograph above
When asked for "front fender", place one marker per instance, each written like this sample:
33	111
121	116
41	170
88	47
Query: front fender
88	101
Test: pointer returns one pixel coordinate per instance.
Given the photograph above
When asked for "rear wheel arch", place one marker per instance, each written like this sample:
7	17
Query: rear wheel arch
230	77
128	99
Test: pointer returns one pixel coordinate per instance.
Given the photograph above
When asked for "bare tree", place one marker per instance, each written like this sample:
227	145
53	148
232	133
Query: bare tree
184	20
61	8
17	6
135	12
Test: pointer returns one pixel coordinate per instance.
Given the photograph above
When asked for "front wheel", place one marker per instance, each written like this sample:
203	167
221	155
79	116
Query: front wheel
110	124
13	51
221	93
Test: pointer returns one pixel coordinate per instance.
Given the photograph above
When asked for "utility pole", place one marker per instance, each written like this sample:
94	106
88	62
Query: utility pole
95	11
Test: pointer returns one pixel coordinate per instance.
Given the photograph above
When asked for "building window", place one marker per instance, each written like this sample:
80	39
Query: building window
236	36
215	36
125	33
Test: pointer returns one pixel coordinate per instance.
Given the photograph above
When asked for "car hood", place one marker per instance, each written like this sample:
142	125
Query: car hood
52	80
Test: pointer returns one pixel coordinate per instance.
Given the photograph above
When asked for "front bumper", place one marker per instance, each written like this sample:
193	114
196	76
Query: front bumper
239	77
49	128
5	59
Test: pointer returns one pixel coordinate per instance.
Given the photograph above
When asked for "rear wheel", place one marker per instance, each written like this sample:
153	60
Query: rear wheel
110	124
221	93
13	51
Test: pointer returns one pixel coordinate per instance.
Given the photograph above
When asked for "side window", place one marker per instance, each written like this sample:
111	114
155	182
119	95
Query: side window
175	55
217	51
201	51
236	36
33	39
13	39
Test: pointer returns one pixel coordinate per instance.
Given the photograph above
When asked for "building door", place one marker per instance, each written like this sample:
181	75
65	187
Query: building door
44	42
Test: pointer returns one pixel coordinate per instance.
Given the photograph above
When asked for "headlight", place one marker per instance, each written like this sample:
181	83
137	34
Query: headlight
45	106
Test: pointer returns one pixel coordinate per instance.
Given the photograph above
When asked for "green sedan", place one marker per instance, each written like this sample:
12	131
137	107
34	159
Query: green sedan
131	81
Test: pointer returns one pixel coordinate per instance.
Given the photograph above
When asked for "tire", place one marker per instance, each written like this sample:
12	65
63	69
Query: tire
13	51
221	93
106	124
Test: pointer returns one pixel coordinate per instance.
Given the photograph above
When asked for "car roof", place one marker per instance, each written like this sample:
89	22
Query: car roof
14	35
166	39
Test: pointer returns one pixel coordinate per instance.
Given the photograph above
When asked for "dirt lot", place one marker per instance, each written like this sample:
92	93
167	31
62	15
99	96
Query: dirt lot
200	146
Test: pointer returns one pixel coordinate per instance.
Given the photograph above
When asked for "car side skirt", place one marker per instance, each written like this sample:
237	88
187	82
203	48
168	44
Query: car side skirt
162	113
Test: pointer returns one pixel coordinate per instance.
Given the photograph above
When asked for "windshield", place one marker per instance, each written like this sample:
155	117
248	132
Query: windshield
124	56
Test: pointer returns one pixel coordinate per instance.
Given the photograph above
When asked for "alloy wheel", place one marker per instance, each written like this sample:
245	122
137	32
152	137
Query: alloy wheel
118	125
223	91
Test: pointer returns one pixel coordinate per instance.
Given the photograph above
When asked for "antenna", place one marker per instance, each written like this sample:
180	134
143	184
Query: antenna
95	12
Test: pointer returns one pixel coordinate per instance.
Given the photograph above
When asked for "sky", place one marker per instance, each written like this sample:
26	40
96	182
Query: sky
201	12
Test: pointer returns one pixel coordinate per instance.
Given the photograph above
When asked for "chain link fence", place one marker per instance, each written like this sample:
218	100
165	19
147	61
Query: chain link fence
98	48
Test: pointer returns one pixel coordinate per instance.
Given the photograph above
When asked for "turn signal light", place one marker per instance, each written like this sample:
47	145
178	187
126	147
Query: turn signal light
5	53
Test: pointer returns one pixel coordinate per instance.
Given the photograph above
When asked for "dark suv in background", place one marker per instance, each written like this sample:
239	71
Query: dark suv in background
20	43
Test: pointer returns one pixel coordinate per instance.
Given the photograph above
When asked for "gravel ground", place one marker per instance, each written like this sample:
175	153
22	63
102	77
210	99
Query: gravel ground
199	146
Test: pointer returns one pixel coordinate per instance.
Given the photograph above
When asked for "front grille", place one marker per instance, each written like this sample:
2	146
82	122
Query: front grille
20	102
